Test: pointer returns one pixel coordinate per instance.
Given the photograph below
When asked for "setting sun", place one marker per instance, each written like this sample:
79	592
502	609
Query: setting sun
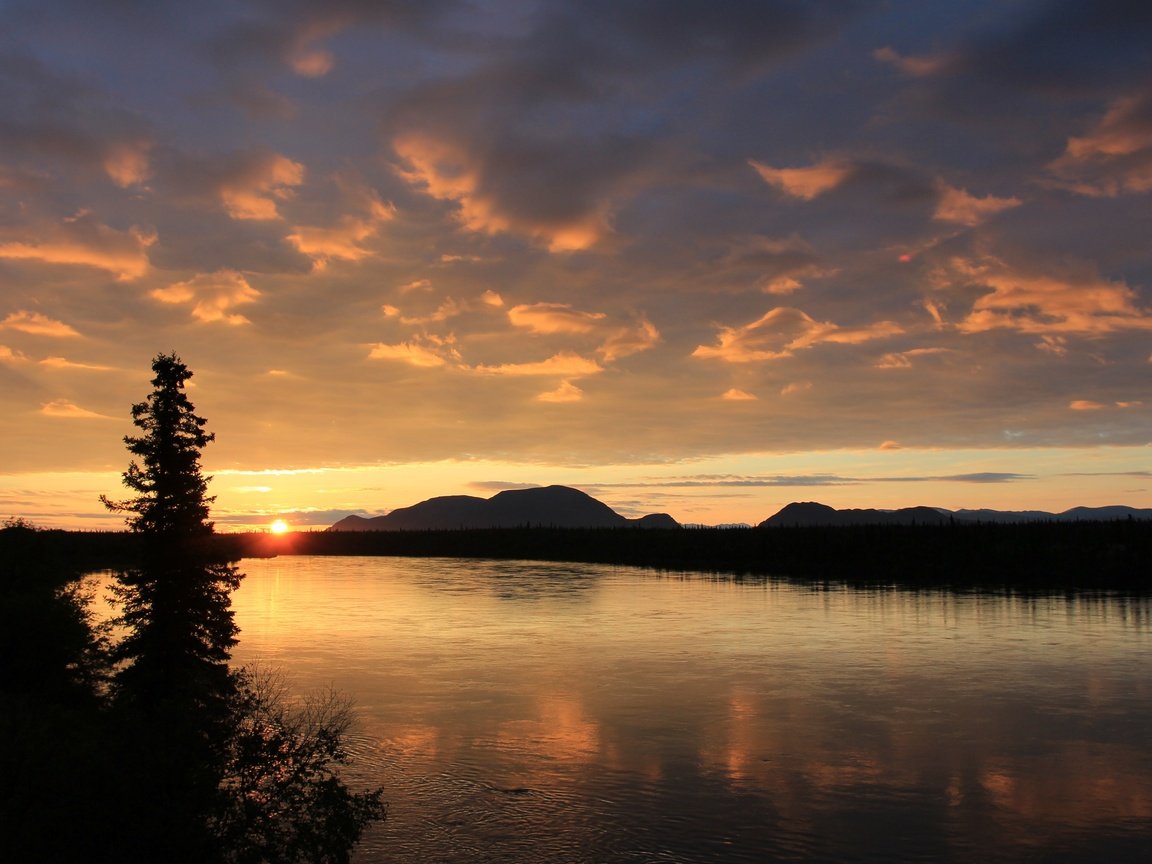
278	527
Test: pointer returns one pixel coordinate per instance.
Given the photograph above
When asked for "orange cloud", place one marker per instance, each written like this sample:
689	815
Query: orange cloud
565	364
891	445
805	183
343	240
554	318
37	325
64	363
630	340
255	192
426	352
71	411
566	392
81	241
795	387
956	205
561	318
448	172
1115	157
7	355
213	295
1077	303
903	359
735	395
127	163
783	331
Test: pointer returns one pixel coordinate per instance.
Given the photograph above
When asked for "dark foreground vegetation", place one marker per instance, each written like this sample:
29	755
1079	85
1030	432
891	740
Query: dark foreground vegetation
141	743
1079	556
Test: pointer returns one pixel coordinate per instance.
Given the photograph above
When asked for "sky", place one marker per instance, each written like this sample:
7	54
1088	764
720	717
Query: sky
701	258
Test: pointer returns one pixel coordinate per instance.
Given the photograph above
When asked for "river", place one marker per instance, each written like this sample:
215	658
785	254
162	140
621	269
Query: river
546	713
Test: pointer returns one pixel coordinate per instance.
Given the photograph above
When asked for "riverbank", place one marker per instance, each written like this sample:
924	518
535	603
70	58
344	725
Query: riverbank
1078	556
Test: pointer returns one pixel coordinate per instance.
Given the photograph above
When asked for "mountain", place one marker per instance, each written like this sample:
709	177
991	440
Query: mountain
547	506
812	513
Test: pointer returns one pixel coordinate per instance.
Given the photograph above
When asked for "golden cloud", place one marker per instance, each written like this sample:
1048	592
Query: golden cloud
781	332
64	363
37	325
212	296
566	364
71	411
736	395
425	352
254	193
956	205
903	359
804	183
566	392
343	240
554	318
448	172
1079	302
81	241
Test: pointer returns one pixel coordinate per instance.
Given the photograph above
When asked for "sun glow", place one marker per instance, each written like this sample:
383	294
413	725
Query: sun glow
278	526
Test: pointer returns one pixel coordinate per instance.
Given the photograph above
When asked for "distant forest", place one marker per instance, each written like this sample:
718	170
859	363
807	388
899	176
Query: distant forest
1079	556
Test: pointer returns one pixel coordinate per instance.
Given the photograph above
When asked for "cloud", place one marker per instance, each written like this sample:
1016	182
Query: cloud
903	359
425	352
554	318
776	265
617	341
127	162
795	387
344	240
82	241
804	183
1091	405
565	364
628	340
736	395
781	332
891	445
212	296
447	171
566	392
37	325
64	363
1115	157
956	205
70	411
916	67
1077	301
259	185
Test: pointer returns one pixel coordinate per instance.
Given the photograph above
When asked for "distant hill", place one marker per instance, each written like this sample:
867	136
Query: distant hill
812	513
547	506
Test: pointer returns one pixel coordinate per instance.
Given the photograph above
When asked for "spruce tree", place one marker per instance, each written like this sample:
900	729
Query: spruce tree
176	605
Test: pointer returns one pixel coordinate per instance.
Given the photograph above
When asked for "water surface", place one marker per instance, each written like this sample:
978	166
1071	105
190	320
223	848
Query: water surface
544	712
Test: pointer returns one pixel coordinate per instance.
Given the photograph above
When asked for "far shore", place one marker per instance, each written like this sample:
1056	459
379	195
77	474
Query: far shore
1046	556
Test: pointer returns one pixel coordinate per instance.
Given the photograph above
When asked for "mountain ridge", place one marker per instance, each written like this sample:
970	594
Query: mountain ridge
565	507
540	506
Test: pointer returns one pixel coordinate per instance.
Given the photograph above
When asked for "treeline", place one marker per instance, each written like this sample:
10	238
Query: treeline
1040	555
1037	555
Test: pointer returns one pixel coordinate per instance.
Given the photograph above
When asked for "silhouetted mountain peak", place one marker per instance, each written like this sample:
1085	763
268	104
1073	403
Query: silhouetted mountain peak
539	506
